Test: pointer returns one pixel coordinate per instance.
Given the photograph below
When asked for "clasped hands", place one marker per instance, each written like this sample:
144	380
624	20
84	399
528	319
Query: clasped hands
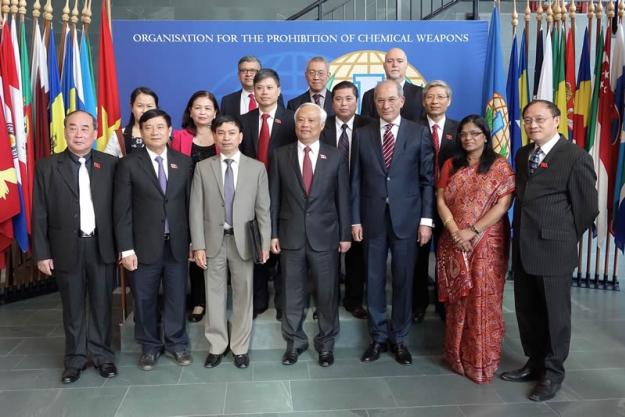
462	239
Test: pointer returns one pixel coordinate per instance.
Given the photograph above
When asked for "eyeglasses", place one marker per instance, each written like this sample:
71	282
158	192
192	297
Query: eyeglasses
437	97
473	134
320	73
248	70
538	120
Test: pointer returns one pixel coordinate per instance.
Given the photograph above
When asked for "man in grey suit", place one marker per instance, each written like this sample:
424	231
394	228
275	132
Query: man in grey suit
556	202
310	224
227	192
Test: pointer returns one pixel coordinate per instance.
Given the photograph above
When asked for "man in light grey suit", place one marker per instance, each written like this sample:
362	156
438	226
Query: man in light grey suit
227	192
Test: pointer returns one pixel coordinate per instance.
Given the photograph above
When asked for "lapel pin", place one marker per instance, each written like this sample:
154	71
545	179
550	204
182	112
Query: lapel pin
543	165
97	165
277	121
173	166
449	136
322	156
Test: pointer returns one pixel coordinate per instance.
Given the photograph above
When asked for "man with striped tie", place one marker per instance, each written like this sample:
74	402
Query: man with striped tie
392	206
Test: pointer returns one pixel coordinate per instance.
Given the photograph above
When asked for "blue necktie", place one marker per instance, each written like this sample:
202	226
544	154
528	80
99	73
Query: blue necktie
229	190
162	180
534	159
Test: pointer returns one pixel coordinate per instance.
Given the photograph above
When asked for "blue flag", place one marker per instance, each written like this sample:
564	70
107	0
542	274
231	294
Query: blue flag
514	112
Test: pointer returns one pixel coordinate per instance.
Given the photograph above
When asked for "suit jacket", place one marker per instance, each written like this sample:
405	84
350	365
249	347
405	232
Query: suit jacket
282	131
207	213
328	134
321	219
231	104
413	106
450	144
141	206
553	208
407	188
56	209
295	102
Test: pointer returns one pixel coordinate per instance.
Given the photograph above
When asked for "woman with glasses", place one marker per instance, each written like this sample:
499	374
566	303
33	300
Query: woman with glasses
474	194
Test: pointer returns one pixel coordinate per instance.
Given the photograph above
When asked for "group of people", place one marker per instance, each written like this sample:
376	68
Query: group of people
311	182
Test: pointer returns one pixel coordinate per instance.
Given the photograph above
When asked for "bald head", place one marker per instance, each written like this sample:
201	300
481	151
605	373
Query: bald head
395	64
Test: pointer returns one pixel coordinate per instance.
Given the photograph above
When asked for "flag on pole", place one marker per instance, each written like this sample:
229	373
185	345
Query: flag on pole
41	90
545	85
86	69
559	84
109	114
9	192
583	96
618	80
494	100
524	92
57	109
71	78
571	89
512	91
28	122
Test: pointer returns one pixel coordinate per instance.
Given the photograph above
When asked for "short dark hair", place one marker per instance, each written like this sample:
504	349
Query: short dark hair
249	58
151	114
343	85
226	118
187	121
94	121
488	156
133	96
555	111
267	73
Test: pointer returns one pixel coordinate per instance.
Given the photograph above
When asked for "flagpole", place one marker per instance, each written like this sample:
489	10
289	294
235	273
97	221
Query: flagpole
557	16
599	14
528	17
36	14
515	20
86	17
591	15
61	51
47	21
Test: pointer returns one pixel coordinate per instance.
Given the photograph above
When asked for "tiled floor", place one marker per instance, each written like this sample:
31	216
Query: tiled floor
31	348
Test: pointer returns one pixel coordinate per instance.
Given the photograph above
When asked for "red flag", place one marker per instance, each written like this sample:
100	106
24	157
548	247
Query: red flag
109	114
41	92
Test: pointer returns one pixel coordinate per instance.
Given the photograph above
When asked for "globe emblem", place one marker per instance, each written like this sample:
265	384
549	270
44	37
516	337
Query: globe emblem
365	69
498	120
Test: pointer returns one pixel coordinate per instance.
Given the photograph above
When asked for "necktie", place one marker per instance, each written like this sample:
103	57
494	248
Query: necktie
534	159
343	145
388	145
252	105
307	173
437	147
263	141
229	190
317	98
162	180
87	214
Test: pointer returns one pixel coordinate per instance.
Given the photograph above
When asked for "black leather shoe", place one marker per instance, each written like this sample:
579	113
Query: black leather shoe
290	355
278	314
183	358
359	312
418	316
148	360
107	370
197	314
373	352
545	390
71	375
326	358
402	354
212	360
241	361
521	375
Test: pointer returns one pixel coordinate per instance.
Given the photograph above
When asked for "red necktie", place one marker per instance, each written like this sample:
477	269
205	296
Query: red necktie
307	172
437	148
388	145
252	105
263	141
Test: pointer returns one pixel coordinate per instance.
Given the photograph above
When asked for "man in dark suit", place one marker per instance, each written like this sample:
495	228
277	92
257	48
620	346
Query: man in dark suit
395	66
152	229
243	100
72	229
309	186
436	101
317	74
556	202
392	203
264	130
340	131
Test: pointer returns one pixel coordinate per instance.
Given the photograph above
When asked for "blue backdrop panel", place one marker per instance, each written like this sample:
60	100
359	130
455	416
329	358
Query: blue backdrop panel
176	58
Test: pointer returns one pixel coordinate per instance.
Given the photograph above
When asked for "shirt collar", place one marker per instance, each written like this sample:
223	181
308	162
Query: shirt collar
349	123
76	158
441	123
236	157
314	147
549	144
154	155
395	122
272	112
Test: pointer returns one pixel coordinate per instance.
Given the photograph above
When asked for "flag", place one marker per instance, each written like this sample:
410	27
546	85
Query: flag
538	61
583	96
604	149
545	85
559	83
618	80
570	80
71	78
41	90
9	192
512	91
28	121
524	92
109	114
14	111
494	100
86	70
57	109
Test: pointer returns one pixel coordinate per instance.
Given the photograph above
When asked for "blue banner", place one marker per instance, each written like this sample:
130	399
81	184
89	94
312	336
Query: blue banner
176	58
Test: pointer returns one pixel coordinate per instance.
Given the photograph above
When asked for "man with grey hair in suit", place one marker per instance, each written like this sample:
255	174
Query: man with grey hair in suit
228	191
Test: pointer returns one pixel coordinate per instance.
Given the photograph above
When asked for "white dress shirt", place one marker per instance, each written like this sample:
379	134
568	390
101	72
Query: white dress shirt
322	99
270	119
441	126
313	155
244	105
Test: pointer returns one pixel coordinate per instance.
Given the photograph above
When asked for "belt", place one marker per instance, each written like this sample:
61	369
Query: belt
166	236
229	232
86	235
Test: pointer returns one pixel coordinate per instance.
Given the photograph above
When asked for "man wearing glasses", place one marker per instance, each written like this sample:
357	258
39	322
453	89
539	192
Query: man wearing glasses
243	101
317	74
556	201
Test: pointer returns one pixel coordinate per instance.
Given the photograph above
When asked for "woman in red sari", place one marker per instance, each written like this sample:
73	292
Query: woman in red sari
474	194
